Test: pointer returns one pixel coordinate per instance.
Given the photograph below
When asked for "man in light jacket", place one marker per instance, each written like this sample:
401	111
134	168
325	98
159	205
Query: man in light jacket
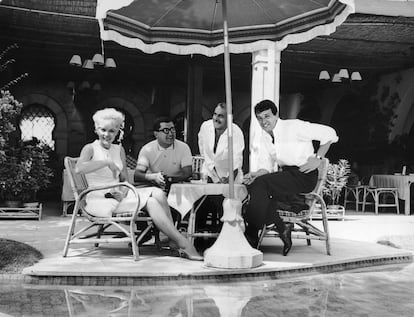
213	145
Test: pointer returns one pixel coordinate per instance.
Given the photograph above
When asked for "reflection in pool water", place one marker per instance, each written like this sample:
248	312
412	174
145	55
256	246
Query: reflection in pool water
387	291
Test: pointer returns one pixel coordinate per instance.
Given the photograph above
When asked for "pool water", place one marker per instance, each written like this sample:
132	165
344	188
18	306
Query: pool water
381	291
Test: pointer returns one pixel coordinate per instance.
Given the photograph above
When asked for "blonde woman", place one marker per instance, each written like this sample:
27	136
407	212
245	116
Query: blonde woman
104	163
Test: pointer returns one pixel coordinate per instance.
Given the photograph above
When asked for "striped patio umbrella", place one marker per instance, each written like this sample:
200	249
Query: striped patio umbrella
213	27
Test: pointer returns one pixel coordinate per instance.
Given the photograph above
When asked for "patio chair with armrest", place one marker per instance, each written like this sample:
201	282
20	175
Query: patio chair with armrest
303	229
97	231
379	197
354	194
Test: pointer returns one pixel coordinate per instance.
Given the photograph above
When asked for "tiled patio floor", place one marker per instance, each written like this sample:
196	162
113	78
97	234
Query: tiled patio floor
354	244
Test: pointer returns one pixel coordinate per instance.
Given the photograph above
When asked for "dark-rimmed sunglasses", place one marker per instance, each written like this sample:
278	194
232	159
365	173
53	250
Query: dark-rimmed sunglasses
166	130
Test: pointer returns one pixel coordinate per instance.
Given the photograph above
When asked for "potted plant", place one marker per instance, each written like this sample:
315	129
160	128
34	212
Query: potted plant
23	166
337	178
9	109
24	173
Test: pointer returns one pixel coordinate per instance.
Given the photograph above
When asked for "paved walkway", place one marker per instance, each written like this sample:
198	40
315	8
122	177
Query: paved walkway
354	245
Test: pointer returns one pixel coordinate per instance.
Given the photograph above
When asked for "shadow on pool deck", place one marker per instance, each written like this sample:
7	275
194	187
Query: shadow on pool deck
353	244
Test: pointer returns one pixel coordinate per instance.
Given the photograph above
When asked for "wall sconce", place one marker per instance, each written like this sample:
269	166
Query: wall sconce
97	87
356	76
70	85
336	78
342	75
97	59
75	61
88	64
324	75
110	63
84	85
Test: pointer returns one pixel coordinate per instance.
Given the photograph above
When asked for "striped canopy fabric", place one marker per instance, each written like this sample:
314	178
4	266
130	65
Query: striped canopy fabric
213	27
196	26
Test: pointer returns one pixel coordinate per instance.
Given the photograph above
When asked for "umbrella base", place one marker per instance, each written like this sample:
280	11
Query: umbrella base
231	249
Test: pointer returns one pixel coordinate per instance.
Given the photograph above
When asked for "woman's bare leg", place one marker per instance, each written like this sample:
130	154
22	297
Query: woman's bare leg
161	198
164	223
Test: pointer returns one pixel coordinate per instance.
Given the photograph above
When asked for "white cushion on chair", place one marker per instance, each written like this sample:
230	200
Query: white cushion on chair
99	206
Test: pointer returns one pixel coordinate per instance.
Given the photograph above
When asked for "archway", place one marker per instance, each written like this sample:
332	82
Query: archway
60	133
37	122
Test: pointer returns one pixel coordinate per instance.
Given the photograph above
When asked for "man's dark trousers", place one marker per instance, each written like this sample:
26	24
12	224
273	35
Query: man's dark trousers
269	191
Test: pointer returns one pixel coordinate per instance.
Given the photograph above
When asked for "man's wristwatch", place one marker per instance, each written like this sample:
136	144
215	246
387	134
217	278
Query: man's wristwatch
318	157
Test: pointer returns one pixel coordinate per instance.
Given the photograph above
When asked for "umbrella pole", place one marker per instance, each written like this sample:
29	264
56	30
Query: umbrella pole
231	249
229	106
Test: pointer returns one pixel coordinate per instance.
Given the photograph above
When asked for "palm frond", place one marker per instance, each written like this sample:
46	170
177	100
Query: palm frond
337	178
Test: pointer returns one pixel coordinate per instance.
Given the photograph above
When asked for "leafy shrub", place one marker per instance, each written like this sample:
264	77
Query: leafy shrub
336	179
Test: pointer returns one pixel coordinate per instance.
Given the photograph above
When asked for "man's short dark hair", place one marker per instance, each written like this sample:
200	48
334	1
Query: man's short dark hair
159	120
222	105
265	105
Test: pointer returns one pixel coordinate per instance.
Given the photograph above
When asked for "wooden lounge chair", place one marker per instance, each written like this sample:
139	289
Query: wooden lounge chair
303	229
97	231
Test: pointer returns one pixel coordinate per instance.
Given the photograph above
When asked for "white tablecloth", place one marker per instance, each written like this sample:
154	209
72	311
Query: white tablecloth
401	182
183	196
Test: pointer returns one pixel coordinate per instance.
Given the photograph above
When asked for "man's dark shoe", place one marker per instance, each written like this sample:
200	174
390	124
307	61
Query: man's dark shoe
286	237
252	236
253	241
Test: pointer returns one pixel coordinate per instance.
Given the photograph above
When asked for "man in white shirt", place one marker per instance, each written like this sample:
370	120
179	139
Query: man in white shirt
164	160
165	157
288	166
213	145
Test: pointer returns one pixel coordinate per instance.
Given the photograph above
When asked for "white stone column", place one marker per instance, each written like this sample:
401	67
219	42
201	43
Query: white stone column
265	85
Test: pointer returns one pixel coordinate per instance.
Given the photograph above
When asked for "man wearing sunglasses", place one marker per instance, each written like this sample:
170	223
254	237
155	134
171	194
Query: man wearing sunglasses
164	159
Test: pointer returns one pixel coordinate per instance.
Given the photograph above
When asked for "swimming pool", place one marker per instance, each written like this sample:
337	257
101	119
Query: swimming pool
375	291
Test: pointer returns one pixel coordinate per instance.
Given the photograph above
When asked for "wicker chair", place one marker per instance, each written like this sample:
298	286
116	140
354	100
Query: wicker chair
96	232
303	229
379	196
354	194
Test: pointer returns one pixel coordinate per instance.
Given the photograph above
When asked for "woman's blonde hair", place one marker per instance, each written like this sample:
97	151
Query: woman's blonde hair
110	114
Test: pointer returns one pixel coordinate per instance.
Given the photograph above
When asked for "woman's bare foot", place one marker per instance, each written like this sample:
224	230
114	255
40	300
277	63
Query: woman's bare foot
168	243
189	252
